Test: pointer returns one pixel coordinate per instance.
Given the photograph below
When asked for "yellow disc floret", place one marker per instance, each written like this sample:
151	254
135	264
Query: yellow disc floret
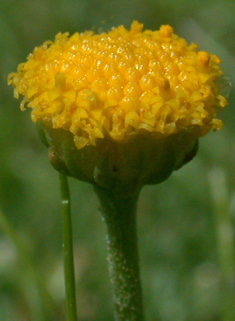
122	82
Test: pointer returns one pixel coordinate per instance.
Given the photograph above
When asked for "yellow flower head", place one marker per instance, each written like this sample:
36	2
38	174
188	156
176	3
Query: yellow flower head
119	83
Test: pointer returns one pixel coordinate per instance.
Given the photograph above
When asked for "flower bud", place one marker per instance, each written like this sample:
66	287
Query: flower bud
123	107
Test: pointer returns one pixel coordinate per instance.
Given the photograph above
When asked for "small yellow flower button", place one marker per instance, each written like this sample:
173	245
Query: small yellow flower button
121	88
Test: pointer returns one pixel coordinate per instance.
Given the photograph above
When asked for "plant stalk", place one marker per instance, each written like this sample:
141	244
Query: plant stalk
118	208
68	250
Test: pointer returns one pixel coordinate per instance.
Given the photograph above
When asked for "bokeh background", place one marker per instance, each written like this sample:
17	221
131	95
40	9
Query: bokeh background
186	225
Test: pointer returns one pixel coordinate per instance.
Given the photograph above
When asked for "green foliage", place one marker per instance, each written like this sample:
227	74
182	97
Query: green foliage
185	270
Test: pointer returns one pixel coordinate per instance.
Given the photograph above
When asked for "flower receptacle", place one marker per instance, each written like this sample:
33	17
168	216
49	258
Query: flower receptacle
141	159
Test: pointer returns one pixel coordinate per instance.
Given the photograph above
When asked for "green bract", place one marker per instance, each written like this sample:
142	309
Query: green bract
141	159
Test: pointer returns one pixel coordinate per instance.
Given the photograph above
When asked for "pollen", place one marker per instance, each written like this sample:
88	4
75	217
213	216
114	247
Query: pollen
120	83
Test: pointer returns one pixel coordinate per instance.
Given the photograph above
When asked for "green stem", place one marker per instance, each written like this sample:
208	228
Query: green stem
68	250
119	211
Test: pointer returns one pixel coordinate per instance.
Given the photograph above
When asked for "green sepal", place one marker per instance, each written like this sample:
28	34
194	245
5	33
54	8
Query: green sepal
141	159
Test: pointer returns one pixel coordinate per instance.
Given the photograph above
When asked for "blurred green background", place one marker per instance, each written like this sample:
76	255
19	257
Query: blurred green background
186	225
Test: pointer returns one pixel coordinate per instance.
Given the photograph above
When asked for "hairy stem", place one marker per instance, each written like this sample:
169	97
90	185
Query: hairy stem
119	211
